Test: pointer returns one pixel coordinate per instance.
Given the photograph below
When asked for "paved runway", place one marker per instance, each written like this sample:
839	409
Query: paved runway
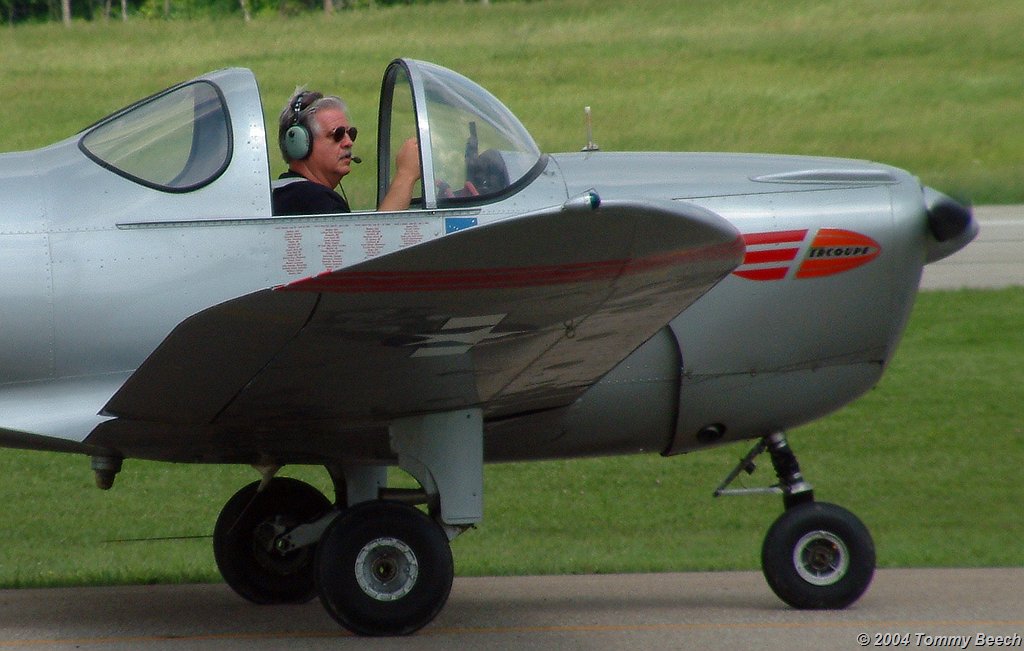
994	259
903	608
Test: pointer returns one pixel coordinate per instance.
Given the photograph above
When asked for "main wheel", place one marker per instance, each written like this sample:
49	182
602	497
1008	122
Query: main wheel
243	541
384	568
818	555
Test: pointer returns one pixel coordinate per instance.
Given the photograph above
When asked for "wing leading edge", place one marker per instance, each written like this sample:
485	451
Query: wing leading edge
518	315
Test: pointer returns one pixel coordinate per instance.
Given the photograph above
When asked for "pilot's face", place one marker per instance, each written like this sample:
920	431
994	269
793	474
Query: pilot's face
332	147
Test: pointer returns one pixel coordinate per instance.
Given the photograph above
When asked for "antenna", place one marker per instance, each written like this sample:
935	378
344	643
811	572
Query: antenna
591	145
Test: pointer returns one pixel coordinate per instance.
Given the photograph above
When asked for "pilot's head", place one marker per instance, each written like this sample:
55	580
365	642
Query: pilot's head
315	136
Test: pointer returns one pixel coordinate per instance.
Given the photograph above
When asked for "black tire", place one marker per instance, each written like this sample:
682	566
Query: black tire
259	574
384	568
818	556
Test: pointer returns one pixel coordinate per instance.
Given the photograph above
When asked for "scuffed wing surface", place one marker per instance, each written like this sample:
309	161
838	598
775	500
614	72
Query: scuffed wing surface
517	315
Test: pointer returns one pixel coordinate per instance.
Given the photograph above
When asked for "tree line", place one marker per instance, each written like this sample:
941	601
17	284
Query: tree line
67	11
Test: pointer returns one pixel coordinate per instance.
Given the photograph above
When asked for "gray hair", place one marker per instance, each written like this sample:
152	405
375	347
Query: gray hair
311	102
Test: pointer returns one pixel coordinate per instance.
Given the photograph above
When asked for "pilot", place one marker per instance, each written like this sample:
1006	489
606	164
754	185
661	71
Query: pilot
316	140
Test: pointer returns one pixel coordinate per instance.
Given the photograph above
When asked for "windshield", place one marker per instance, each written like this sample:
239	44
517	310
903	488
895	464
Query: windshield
472	147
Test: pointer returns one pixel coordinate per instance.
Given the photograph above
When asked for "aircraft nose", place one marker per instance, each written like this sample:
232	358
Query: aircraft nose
951	224
947	218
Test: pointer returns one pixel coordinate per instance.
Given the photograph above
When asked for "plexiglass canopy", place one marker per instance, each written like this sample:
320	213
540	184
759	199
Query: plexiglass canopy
175	141
473	149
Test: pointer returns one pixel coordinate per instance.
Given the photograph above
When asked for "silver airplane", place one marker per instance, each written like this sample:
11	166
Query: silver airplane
527	306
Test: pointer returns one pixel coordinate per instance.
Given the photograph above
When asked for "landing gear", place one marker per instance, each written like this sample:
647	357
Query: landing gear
245	539
384	568
380	565
816	555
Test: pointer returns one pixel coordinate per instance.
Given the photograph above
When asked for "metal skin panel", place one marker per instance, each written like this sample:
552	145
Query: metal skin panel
632	410
26	311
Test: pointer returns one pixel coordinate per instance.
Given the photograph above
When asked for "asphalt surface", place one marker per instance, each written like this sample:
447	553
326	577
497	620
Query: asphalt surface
701	610
958	608
994	259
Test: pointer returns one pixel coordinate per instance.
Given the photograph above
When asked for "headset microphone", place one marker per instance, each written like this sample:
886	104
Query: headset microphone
356	159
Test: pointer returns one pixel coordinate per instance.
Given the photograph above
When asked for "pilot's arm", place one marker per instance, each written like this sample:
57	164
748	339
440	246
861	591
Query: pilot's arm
407	173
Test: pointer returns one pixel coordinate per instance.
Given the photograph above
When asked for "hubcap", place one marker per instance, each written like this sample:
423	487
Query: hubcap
821	558
386	569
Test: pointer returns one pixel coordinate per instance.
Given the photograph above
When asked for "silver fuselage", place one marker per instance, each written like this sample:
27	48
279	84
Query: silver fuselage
97	270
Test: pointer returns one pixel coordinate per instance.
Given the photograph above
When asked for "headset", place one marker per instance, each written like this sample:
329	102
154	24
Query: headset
298	141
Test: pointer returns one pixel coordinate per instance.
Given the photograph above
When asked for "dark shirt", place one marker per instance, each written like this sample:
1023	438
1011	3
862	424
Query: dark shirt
303	197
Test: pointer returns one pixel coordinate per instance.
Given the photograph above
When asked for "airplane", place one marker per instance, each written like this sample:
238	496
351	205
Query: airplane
526	306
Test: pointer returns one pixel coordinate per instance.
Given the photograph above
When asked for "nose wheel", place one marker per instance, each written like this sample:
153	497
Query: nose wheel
818	556
815	555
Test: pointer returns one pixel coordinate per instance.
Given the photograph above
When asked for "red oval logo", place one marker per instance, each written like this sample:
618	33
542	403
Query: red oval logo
772	255
835	250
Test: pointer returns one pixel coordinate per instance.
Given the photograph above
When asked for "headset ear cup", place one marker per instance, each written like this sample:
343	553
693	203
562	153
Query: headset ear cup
297	142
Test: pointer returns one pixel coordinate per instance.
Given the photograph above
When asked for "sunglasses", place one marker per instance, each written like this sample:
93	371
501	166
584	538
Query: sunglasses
338	134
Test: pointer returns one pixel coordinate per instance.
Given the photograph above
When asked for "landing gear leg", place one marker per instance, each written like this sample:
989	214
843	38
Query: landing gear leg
384	567
816	555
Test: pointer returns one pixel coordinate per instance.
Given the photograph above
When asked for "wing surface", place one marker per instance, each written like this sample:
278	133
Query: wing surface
517	315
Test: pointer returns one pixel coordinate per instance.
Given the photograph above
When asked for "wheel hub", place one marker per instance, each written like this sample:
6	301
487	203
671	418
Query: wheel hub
267	553
821	558
386	569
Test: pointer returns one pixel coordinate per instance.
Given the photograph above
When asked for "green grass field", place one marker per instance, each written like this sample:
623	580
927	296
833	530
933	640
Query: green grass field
929	459
933	86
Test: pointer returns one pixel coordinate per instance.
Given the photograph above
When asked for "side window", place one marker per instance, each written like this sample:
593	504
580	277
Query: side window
177	141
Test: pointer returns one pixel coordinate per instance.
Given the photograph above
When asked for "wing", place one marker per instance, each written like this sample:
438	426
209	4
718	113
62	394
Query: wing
519	315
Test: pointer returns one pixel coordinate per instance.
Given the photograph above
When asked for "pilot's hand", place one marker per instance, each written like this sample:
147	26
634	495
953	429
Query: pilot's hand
407	163
407	173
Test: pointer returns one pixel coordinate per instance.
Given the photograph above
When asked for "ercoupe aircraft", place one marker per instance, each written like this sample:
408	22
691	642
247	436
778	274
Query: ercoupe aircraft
527	306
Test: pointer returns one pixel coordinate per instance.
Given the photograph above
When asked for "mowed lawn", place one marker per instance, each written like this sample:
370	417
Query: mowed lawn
929	459
933	86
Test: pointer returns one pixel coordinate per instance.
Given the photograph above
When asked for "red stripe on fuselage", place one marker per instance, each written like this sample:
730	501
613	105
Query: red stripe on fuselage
769	255
776	237
501	278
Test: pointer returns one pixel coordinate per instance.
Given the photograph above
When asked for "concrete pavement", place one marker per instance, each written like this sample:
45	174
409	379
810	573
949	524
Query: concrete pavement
994	259
700	610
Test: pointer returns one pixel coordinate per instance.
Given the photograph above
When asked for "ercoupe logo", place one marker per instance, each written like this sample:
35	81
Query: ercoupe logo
772	256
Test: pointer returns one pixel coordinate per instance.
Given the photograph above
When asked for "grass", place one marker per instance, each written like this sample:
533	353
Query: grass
930	86
929	460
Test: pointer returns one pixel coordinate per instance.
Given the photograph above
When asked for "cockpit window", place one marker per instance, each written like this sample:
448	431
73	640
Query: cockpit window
177	141
478	148
472	147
